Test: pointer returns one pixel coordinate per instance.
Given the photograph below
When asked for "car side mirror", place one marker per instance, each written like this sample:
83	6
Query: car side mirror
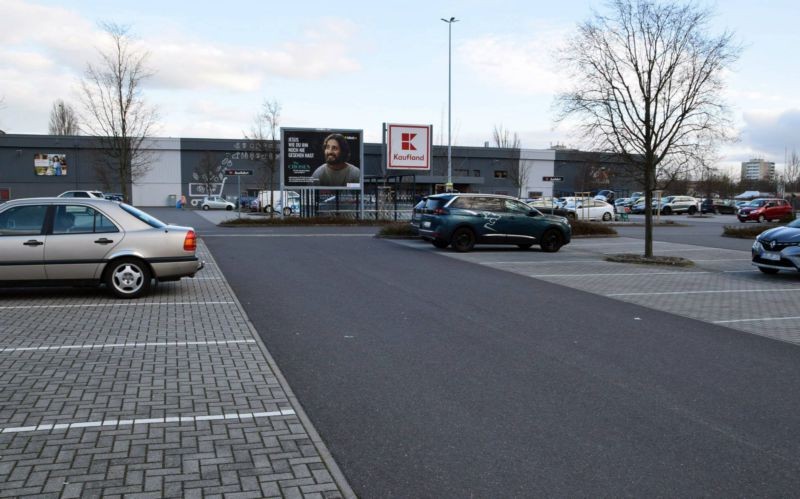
534	213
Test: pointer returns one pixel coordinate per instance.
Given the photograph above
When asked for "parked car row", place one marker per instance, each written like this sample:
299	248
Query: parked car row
669	205
115	196
575	208
719	206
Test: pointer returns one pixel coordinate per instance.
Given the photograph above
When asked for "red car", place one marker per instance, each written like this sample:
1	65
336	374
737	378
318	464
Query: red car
764	209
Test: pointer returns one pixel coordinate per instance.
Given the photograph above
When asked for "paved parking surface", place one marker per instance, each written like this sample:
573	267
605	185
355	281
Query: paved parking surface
173	395
721	288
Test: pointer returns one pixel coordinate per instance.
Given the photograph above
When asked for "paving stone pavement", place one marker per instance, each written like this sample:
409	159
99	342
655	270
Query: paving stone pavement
172	395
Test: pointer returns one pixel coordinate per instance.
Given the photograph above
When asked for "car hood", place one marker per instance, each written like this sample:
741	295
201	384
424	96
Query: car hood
782	234
554	218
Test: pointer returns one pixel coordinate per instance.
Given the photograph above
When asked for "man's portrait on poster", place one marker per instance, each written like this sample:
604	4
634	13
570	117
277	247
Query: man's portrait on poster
336	171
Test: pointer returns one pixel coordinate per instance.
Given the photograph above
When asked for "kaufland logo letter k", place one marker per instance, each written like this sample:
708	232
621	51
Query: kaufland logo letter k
406	141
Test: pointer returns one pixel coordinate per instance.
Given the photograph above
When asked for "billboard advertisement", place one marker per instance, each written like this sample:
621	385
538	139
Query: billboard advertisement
50	164
409	147
322	158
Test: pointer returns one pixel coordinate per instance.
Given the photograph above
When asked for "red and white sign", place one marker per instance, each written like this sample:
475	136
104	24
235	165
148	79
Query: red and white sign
409	147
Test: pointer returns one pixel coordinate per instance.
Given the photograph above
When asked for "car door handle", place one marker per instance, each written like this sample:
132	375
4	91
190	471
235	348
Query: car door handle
33	242
103	240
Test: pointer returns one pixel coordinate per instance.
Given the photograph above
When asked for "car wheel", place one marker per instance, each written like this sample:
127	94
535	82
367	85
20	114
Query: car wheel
525	246
768	270
205	207
128	278
287	211
463	240
692	210
606	216
551	241
666	210
229	208
761	219
440	243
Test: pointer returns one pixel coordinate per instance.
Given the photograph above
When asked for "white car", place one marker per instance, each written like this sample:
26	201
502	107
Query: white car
216	203
82	194
590	209
679	204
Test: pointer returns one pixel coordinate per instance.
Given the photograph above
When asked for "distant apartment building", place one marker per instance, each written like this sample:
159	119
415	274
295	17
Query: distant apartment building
758	169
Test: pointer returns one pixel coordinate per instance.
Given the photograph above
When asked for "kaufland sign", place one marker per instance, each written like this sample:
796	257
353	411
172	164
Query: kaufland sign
409	147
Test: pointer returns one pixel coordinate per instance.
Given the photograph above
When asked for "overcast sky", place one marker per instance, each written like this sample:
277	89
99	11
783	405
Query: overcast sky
359	64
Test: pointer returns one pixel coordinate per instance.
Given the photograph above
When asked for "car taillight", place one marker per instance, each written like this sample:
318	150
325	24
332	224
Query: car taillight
190	241
441	211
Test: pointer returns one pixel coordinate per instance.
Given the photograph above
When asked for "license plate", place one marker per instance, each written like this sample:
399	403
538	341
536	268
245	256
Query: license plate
426	224
769	255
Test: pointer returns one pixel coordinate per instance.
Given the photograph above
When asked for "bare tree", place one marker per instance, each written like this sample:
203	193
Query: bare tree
63	119
2	106
518	174
208	172
792	171
264	134
116	112
647	84
502	138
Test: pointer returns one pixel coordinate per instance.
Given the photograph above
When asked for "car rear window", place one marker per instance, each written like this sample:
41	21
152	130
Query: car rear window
434	203
144	217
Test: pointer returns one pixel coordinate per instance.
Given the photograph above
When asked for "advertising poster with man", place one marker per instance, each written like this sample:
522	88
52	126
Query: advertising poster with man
322	158
50	164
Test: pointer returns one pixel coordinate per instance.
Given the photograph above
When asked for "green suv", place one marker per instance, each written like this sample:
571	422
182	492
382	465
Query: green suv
464	220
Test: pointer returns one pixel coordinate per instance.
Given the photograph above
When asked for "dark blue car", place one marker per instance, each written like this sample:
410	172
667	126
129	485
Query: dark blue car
464	220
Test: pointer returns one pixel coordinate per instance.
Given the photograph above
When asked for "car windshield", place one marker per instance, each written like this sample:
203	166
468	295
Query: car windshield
794	223
756	203
144	217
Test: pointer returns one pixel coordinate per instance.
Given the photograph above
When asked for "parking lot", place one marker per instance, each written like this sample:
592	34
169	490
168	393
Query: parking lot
721	288
172	395
175	395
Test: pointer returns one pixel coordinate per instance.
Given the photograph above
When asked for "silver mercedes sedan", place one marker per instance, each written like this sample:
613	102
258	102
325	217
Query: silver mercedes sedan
78	241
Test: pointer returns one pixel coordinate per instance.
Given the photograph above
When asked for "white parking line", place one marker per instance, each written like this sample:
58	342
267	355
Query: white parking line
616	274
124	345
288	235
555	262
725	260
757	320
116	423
773	290
124	304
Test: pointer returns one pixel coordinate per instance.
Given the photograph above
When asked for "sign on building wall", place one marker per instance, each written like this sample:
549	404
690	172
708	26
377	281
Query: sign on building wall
197	189
322	159
409	147
50	164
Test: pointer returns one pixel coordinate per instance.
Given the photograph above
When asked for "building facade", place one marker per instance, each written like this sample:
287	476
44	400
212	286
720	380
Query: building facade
758	169
177	165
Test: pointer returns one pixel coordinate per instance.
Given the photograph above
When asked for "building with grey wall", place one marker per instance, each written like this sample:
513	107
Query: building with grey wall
176	162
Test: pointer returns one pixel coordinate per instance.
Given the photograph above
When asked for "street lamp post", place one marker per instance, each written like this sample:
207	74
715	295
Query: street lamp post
449	22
